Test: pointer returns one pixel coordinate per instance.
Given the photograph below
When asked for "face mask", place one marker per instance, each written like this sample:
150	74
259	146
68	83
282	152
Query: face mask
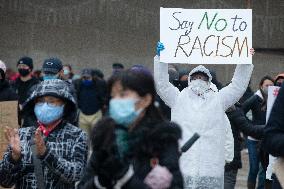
199	86
123	111
47	114
265	90
66	72
48	77
24	72
87	82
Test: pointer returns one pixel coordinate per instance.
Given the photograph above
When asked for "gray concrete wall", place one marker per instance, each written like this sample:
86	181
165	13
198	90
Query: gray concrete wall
96	33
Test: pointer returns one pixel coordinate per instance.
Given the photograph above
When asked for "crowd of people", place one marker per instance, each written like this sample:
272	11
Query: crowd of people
84	131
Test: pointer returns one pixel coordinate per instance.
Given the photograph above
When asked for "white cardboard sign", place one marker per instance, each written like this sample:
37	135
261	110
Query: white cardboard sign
206	36
272	95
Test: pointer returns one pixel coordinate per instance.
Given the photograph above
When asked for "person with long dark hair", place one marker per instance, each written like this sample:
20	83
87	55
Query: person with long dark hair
257	104
134	147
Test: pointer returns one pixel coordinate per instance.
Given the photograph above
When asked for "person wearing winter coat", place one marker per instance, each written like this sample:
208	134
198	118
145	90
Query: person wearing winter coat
198	108
279	79
257	104
91	93
134	147
52	153
273	141
24	87
6	92
239	123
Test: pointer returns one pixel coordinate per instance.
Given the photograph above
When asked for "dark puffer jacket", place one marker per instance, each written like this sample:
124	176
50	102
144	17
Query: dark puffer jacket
6	92
239	123
273	141
150	139
254	103
67	150
274	131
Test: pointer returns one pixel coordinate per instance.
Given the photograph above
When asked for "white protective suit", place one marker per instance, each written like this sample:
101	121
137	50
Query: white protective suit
203	165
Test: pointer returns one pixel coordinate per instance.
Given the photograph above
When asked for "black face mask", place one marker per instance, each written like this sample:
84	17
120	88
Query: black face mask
24	72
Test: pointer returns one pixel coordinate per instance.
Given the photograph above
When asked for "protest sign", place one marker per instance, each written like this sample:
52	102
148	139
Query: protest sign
8	118
206	36
271	97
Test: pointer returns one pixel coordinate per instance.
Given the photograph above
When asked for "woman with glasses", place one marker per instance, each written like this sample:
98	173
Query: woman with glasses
51	153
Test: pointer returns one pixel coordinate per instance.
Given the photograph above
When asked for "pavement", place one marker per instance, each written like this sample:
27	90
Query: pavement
243	173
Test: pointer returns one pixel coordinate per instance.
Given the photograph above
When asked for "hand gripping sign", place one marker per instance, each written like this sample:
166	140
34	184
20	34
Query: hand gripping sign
206	36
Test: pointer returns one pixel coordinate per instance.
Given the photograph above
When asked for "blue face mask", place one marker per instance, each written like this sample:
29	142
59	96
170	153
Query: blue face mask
87	82
47	113
66	72
48	77
123	111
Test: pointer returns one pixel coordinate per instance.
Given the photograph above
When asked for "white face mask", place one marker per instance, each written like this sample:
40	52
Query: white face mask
199	86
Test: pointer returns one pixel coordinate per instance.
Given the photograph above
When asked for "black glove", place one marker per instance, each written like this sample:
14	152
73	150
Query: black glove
110	168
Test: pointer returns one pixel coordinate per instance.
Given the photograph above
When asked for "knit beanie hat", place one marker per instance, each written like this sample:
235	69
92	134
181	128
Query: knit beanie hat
52	66
27	61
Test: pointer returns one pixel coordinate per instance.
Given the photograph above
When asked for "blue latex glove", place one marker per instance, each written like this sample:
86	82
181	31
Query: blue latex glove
160	46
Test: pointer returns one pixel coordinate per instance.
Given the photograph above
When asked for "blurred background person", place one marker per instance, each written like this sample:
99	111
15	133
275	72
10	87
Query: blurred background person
67	74
117	67
239	123
98	74
279	79
23	86
11	75
258	105
6	92
273	141
91	94
52	68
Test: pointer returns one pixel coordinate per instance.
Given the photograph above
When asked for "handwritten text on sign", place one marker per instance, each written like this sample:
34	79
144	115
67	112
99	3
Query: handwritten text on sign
206	36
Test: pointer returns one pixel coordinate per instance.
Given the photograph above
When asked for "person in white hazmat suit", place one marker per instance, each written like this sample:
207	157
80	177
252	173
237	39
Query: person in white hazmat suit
200	109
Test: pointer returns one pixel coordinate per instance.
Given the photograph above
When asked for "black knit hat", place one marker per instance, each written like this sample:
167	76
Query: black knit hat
27	61
52	66
117	66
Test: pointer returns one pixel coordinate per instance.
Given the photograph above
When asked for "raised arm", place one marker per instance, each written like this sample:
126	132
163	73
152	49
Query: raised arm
235	90
165	89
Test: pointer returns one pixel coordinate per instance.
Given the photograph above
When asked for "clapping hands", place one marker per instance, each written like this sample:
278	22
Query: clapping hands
13	138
